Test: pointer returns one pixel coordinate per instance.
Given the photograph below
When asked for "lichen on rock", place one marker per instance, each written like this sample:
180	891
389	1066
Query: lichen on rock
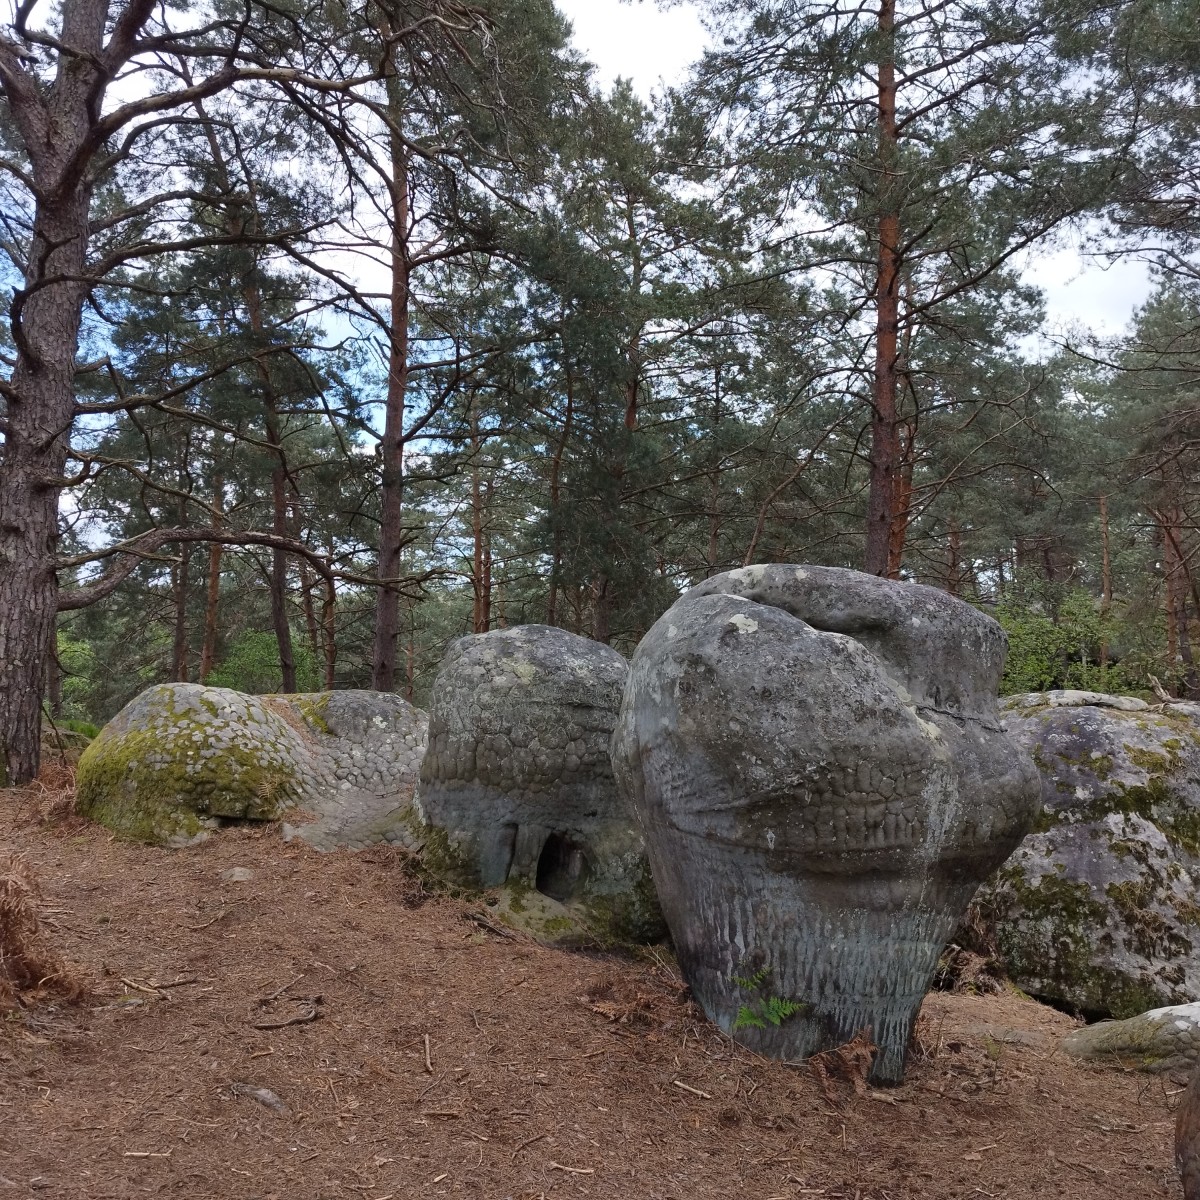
1163	1039
817	762
180	759
1097	909
516	788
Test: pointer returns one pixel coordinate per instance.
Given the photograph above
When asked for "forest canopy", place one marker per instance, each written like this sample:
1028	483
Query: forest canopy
336	330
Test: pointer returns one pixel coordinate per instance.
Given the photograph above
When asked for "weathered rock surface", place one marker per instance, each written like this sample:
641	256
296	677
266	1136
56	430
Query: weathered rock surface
518	783
1099	908
1164	1039
816	758
181	758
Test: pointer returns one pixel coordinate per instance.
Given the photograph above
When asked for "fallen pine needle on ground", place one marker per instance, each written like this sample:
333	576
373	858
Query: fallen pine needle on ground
442	1060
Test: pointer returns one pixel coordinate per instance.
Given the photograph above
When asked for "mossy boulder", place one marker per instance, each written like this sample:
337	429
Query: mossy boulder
181	759
516	789
1099	908
1164	1039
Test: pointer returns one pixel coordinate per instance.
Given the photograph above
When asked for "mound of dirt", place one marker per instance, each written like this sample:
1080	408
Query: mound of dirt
278	1024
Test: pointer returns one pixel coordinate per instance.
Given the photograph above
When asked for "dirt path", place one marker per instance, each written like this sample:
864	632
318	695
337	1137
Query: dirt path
528	1089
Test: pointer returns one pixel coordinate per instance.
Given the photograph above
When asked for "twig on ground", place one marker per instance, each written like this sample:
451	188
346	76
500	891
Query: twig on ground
310	1014
279	991
527	1142
553	1166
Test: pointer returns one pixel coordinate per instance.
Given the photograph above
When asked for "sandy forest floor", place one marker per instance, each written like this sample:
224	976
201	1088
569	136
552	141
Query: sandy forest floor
547	1073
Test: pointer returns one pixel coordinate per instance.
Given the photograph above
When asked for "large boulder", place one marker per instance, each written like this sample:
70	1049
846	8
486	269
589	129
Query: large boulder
817	761
516	788
1099	908
181	759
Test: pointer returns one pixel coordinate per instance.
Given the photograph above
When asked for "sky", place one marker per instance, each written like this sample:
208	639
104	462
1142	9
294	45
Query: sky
638	41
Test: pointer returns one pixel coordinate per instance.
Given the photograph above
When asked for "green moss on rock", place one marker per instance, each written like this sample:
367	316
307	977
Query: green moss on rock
179	759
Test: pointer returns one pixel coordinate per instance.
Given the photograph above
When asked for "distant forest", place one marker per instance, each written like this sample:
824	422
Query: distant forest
337	330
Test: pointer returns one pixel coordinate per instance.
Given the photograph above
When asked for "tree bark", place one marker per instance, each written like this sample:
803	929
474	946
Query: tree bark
714	482
181	574
212	595
329	627
556	497
481	574
54	125
954	566
391	445
885	454
1106	588
902	505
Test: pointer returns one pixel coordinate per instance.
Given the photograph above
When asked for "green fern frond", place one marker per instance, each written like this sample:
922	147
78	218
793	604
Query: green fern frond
747	1018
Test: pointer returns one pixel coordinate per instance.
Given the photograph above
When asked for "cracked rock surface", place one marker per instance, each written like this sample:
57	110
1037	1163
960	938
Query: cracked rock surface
1099	908
817	761
517	778
180	759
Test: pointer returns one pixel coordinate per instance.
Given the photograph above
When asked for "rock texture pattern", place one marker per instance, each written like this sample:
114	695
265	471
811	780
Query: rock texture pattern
1164	1039
180	759
1099	909
817	761
518	782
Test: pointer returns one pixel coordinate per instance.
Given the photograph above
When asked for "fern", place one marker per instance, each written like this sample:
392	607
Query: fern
747	1018
770	1010
754	982
777	1010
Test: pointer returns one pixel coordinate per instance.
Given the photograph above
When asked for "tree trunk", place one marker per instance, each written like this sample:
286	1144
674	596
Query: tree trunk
181	576
279	525
307	584
714	482
391	445
410	655
39	416
1170	585
601	603
898	532
1106	590
481	574
329	627
212	595
885	455
555	498
954	566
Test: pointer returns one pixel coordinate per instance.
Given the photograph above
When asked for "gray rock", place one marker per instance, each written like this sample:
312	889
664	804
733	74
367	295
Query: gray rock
1164	1039
181	758
816	759
1099	908
237	875
516	786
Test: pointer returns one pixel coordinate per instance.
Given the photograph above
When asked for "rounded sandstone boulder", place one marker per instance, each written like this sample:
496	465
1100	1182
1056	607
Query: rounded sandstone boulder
1098	908
817	762
182	758
518	783
1163	1039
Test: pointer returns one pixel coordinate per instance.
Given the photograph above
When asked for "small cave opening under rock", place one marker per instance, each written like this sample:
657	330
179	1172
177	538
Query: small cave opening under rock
561	868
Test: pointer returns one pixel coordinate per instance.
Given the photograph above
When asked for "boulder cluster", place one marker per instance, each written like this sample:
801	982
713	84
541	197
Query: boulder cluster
803	776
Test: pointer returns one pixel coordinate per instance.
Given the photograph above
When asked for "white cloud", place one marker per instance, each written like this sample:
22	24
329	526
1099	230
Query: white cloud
637	41
1081	289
